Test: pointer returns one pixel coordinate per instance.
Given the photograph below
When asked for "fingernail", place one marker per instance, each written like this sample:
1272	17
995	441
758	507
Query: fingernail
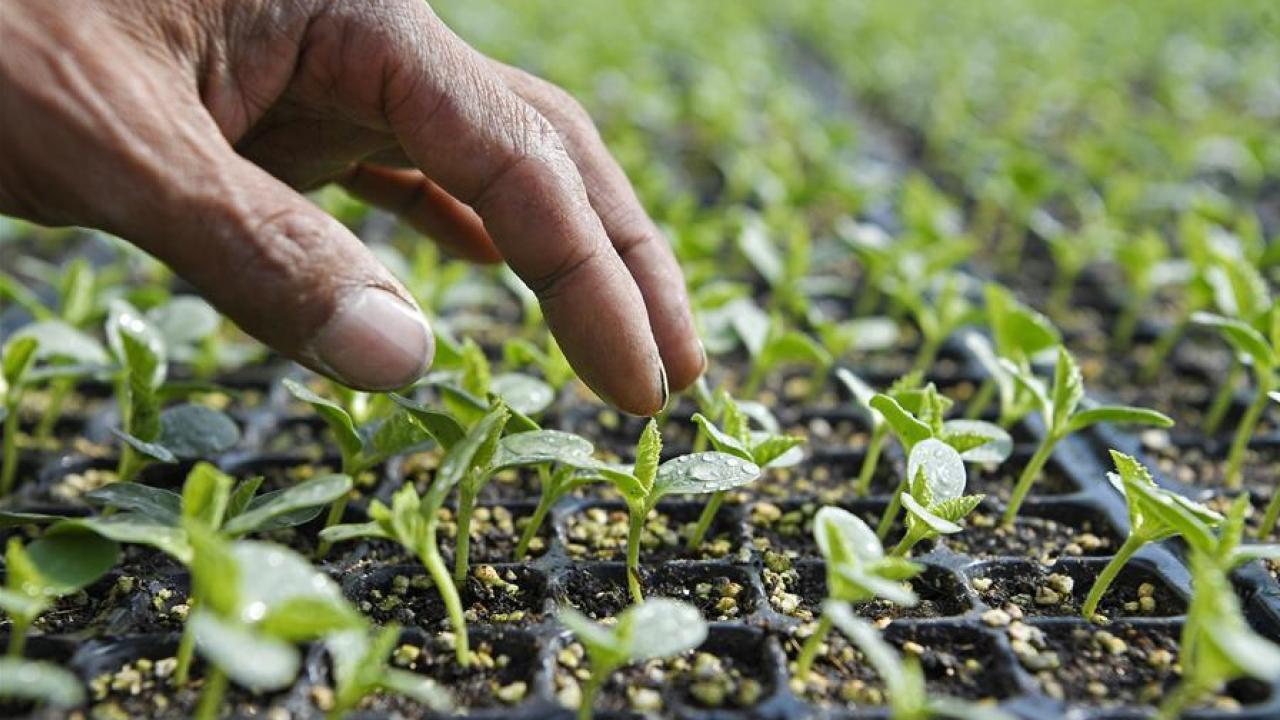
702	348
666	388
375	341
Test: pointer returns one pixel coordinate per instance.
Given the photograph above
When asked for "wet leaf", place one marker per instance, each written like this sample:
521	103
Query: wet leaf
703	473
943	470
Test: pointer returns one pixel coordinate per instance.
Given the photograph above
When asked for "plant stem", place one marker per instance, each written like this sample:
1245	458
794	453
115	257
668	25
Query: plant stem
638	514
1122	333
430	557
810	650
587	704
870	461
981	399
1269	519
891	512
1164	344
215	686
904	545
336	511
928	352
462	544
1182	696
1240	444
129	465
9	472
704	521
545	502
186	648
1108	575
1222	401
1028	477
18	636
57	395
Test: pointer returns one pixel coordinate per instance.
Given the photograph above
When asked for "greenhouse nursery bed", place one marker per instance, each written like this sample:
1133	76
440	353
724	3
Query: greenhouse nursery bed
890	496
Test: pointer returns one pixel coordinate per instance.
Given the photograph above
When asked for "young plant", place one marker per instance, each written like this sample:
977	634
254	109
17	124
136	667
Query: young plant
862	395
934	499
785	269
1060	410
1147	524
646	482
1272	514
61	562
360	668
16	358
909	699
549	360
258	600
858	571
150	434
654	628
763	448
1018	334
770	343
413	521
555	482
917	415
1263	353
938	314
1217	644
1144	261
466	383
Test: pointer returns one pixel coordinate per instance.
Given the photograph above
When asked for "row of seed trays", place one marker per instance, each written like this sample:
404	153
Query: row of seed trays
989	430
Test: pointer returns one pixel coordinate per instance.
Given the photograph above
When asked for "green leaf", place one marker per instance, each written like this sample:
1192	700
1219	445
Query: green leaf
662	628
1120	415
992	444
192	431
473	451
776	450
720	440
1243	337
134	529
354	531
597	639
941	466
957	509
243	495
1068	389
793	347
862	394
310	494
648	452
17	518
152	450
68	559
908	429
704	472
524	394
540	447
339	422
250	659
302	619
215	573
919	512
154	504
841	535
40	682
418	688
855	584
441	425
396	433
273	575
18	357
1020	332
184	321
205	495
138	346
1165	508
61	342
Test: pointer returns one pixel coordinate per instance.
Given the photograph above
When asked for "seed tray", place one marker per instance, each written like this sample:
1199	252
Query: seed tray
777	579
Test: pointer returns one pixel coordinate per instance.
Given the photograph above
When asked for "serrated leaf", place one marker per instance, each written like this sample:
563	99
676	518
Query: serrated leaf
957	509
776	451
250	659
396	433
339	422
39	682
150	503
648	452
936	523
704	472
474	450
721	440
310	494
1068	389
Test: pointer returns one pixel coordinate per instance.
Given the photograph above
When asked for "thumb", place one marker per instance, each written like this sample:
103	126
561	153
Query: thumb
285	271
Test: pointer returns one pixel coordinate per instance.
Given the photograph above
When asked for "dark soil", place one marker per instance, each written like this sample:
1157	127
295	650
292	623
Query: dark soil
600	533
800	590
1060	590
404	594
1043	533
600	590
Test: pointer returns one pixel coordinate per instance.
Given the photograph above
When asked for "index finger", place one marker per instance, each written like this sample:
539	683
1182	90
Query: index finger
468	132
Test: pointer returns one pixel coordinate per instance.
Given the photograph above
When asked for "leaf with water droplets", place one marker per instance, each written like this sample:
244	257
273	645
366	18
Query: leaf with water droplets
273	574
944	472
703	473
538	447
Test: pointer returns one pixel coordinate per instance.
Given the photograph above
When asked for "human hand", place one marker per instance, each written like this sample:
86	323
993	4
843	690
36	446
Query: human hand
188	127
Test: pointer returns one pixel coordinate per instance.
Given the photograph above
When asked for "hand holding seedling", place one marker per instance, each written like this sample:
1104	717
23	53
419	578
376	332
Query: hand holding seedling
188	128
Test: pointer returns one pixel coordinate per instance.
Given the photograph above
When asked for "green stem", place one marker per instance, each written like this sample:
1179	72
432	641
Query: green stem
1028	478
1108	575
754	379
9	471
704	521
336	511
18	636
870	461
215	686
462	544
1268	525
1240	444
1059	301
1222	401
439	572
928	352
535	521
981	399
186	648
633	550
904	545
1163	346
891	512
130	463
1182	696
57	396
810	650
1122	334
591	690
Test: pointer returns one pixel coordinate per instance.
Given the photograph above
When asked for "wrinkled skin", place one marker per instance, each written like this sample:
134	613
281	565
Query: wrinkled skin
189	127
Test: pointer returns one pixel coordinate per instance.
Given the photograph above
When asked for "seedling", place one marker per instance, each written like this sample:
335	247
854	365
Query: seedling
934	499
858	571
761	447
61	562
771	343
1144	260
1146	524
360	668
149	434
938	315
654	628
39	682
549	360
1263	353
16	358
257	601
467	383
642	485
1060	410
862	395
785	269
1019	334
555	482
1272	514
917	415
909	698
